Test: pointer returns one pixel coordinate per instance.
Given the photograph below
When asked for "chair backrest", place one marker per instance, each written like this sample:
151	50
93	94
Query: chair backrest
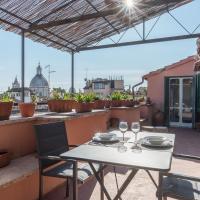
51	140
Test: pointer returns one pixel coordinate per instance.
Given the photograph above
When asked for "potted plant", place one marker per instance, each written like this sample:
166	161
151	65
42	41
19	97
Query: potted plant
4	158
99	103
116	99
6	103
55	102
68	102
126	100
83	102
107	102
28	109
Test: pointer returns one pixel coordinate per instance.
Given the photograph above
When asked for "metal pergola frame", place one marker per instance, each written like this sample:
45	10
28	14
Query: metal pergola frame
97	14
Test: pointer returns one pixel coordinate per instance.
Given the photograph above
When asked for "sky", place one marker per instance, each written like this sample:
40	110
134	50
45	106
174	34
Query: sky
131	62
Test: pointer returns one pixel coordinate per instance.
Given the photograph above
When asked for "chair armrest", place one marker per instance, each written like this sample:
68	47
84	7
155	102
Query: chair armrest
186	156
181	176
55	158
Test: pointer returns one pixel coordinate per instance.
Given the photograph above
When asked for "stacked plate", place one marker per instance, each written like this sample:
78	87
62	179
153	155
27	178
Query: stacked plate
156	141
105	137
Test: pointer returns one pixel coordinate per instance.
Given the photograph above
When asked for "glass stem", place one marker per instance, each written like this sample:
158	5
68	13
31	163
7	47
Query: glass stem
123	136
135	139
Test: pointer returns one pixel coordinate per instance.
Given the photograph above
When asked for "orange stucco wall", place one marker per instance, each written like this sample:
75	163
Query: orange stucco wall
27	188
155	87
126	114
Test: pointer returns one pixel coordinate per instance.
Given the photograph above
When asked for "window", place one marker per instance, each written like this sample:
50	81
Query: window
99	86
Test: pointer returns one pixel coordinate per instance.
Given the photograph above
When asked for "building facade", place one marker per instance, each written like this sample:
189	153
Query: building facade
39	85
16	91
104	87
174	90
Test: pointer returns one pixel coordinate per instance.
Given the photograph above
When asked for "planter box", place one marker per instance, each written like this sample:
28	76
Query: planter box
83	107
99	104
127	103
5	110
116	103
60	105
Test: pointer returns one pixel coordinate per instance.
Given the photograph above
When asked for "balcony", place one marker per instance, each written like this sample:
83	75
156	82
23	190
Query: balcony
19	180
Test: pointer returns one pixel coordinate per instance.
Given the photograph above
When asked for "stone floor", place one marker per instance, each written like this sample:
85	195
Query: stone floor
141	187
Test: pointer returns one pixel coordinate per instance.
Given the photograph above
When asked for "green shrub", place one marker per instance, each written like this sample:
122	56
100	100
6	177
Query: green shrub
116	96
5	97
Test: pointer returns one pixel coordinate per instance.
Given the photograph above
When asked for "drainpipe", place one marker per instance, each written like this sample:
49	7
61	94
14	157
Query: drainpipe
134	86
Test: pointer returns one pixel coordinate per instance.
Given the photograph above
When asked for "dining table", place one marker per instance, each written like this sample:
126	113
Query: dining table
122	153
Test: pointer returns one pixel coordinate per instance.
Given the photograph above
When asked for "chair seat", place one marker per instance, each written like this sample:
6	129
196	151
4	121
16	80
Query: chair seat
66	170
181	189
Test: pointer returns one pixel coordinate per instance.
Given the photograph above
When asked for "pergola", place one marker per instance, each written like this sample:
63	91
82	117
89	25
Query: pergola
79	25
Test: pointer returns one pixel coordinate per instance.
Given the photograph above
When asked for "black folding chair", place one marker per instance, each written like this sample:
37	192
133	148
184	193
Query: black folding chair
51	141
179	186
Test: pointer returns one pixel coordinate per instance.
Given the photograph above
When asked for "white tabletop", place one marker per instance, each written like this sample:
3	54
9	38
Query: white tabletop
151	159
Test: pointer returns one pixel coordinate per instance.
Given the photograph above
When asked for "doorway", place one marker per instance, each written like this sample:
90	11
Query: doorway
181	101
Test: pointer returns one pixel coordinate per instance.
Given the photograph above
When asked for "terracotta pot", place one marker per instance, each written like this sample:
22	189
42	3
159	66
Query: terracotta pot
159	118
99	104
83	107
107	103
68	105
116	103
27	109
5	110
127	103
4	158
56	105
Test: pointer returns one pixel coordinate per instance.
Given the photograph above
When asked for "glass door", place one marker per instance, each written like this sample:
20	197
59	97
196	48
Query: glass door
180	101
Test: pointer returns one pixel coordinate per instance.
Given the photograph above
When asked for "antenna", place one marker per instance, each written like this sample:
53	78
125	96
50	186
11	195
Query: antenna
49	74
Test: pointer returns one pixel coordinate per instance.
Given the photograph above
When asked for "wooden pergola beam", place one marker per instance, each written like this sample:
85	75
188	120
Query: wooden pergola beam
73	19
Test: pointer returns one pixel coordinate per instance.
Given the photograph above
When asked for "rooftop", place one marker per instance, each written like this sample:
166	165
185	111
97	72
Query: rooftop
168	67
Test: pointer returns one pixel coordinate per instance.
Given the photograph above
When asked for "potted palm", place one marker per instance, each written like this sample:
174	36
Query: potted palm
6	103
28	109
83	102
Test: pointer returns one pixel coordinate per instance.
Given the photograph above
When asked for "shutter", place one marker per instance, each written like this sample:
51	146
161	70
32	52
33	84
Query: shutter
197	98
166	100
198	92
194	95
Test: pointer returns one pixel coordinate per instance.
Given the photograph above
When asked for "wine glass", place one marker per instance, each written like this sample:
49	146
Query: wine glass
123	127
135	127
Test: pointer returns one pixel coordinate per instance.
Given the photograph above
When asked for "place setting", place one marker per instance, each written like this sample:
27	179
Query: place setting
156	142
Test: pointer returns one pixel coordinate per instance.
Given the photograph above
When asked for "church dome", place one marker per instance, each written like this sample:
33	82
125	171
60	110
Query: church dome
39	80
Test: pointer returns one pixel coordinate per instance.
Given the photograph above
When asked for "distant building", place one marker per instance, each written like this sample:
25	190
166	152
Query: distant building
142	91
39	85
104	87
16	91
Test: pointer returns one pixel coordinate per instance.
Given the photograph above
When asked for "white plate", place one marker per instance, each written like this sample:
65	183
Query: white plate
148	142
106	136
156	140
98	139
